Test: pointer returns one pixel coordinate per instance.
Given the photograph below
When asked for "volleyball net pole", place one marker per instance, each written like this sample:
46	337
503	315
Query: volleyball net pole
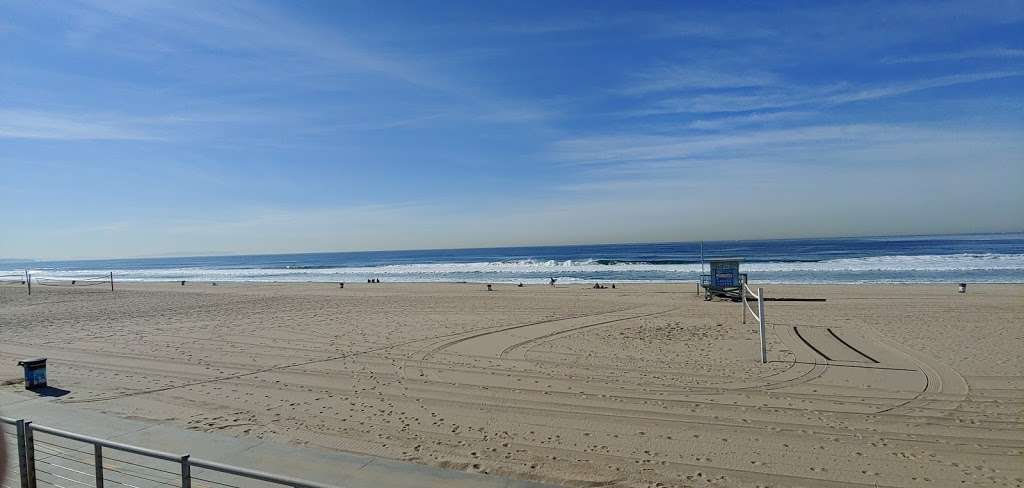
759	315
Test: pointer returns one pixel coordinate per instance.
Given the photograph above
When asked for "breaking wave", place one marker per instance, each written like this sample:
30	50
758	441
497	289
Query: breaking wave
998	267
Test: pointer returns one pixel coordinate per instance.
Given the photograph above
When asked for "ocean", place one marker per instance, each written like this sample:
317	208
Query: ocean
977	258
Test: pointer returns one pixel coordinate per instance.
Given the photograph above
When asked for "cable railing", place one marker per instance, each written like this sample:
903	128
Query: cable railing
60	459
759	315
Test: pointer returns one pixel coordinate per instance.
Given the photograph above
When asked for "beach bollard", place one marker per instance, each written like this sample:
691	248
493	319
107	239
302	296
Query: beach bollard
35	372
962	288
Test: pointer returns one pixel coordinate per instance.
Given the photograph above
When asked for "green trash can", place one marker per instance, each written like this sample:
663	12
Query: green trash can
35	372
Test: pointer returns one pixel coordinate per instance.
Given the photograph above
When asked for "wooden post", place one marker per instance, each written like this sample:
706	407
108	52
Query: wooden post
743	291
111	281
28	281
760	325
30	454
22	457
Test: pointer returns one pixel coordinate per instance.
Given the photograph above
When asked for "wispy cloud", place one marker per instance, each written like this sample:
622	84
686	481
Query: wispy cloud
648	165
729	122
812	141
731	29
513	114
30	124
991	53
777	98
630	148
918	85
680	77
238	27
556	25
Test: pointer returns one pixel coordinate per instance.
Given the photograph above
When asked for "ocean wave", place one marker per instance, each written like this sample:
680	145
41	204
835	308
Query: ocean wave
532	270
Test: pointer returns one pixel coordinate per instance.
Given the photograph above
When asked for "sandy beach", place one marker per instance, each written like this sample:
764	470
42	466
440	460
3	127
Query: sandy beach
642	385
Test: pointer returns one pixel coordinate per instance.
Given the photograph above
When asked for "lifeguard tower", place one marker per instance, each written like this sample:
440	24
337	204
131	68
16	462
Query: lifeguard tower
723	279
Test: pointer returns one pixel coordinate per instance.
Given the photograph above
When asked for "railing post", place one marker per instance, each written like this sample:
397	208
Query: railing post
760	324
22	458
30	454
743	291
186	472
98	461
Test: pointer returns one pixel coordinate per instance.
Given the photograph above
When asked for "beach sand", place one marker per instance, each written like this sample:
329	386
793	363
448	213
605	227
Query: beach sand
643	385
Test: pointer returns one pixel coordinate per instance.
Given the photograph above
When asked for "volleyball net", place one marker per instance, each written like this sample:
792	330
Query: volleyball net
27	279
13	279
107	279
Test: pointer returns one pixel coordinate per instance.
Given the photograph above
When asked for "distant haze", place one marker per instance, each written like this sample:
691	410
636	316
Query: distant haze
154	129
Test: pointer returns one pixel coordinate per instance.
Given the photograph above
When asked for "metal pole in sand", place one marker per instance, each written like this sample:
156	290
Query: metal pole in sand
28	281
111	281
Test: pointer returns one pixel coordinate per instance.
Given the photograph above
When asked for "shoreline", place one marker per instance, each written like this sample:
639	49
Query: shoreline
561	282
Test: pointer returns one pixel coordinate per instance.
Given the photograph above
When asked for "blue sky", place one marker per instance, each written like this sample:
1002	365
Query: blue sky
133	128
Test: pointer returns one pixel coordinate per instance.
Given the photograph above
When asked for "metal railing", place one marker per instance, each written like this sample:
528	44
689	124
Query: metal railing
759	315
705	280
56	457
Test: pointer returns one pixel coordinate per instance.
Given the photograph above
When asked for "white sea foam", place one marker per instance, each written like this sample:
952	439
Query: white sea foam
535	271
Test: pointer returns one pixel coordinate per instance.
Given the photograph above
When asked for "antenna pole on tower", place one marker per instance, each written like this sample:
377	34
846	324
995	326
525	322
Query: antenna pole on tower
700	275
701	257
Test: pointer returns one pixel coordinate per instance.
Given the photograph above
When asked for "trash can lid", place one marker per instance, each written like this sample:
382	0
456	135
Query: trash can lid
32	362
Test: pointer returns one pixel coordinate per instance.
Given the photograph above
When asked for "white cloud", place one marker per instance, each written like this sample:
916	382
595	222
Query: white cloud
817	145
993	53
796	96
746	119
681	77
632	148
918	85
31	124
158	28
557	25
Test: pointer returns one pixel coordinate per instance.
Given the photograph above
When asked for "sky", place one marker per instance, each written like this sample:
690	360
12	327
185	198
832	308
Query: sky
135	128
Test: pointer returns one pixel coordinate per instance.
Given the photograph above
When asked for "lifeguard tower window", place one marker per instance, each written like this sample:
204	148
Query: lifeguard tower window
724	279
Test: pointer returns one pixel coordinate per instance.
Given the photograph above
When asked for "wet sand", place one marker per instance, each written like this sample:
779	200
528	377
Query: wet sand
643	385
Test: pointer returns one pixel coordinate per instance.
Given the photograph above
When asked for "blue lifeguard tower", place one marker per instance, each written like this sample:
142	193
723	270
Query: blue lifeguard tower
723	279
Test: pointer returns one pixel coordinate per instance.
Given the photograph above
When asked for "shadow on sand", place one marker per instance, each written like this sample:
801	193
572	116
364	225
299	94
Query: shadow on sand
49	391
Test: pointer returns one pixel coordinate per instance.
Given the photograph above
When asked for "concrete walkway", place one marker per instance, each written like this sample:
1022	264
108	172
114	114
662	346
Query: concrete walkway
331	467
